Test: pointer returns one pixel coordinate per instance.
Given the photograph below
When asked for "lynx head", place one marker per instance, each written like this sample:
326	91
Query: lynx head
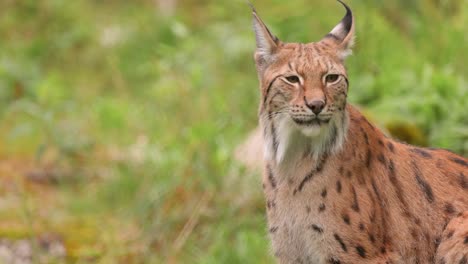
304	89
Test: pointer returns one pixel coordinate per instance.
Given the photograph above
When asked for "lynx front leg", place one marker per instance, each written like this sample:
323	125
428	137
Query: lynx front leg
454	245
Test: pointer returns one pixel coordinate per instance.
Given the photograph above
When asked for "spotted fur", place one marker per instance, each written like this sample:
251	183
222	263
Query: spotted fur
337	189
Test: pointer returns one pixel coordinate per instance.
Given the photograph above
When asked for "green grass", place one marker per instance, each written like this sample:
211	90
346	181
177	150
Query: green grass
133	117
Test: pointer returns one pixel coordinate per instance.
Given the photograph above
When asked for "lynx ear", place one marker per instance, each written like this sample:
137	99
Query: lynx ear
267	43
342	34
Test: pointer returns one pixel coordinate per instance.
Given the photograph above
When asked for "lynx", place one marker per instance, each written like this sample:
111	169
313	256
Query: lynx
338	190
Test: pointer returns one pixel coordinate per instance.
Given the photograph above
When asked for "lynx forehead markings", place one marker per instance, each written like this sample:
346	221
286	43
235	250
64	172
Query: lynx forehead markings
337	189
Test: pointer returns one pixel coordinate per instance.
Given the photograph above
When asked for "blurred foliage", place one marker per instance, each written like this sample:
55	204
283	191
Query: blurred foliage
135	113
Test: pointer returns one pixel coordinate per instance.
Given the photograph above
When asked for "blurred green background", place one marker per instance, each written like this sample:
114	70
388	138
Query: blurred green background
119	119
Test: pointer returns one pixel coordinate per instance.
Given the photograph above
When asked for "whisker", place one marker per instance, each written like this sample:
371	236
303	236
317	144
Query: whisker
276	113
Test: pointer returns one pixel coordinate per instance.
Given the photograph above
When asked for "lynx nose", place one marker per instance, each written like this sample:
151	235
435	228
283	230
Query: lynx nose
316	106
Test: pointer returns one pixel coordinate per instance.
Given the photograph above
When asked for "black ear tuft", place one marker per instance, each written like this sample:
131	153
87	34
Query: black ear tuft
251	6
347	20
343	33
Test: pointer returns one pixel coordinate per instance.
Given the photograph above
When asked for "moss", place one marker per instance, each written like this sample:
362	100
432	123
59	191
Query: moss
15	232
407	132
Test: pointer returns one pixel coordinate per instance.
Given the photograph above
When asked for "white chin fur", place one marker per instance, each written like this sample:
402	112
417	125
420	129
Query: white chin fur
293	140
311	131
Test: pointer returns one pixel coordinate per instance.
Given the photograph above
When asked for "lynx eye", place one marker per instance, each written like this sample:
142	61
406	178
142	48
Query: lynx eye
331	78
293	79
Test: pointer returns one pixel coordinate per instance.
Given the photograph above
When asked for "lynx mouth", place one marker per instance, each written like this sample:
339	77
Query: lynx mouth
311	122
